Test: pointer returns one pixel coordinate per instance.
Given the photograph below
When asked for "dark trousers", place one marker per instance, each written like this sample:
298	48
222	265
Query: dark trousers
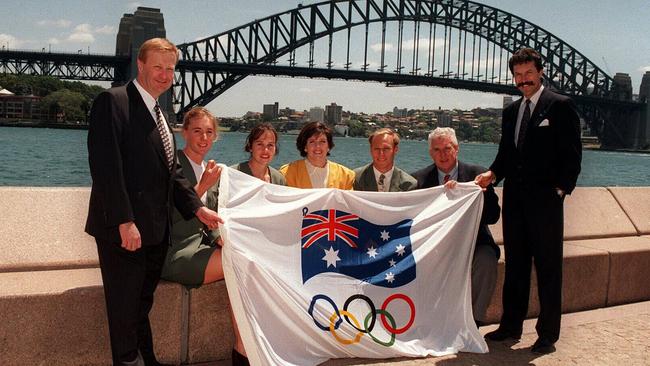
533	226
130	279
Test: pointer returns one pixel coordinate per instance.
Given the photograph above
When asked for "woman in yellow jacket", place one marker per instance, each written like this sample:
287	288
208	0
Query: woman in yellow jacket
315	171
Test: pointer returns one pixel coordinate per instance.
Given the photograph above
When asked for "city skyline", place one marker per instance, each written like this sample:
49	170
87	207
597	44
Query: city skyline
92	25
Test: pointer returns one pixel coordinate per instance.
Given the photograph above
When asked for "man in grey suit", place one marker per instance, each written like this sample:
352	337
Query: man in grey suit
382	175
447	170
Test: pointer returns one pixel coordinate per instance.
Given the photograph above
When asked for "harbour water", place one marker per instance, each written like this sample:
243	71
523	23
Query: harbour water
52	157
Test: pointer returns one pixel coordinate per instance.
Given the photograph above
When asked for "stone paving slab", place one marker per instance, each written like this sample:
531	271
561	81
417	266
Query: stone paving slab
610	336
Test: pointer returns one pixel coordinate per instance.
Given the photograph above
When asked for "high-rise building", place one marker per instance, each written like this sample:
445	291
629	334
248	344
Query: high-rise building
271	110
316	114
333	114
400	112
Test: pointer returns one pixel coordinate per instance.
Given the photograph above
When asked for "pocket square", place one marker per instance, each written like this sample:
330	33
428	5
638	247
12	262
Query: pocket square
544	123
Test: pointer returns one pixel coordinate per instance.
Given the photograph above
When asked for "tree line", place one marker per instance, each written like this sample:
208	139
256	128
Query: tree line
70	99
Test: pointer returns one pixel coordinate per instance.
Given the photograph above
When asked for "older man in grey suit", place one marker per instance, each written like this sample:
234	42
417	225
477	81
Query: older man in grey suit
382	175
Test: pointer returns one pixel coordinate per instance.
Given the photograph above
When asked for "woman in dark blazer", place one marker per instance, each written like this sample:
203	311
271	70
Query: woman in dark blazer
262	144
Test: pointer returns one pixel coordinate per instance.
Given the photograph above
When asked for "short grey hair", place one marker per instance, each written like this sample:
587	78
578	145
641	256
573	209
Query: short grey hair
447	132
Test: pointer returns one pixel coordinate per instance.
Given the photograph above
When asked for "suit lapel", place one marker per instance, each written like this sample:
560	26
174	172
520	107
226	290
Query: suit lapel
395	180
368	179
539	113
142	115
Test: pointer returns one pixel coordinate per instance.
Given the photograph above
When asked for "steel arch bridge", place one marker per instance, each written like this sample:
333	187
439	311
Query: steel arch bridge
447	43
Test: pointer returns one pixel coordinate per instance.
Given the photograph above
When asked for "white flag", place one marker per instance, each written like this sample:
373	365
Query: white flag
314	274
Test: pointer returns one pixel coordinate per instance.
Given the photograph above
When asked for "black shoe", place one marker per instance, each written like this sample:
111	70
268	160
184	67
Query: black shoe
543	346
502	335
238	359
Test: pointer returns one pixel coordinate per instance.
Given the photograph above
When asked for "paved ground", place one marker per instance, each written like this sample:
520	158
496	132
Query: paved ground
610	336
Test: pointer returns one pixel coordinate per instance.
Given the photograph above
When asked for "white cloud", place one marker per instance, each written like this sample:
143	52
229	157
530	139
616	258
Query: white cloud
305	90
82	34
377	47
9	41
644	68
53	41
59	23
107	29
133	6
423	44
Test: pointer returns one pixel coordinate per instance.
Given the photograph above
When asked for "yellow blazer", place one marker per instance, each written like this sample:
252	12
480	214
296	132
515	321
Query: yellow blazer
297	176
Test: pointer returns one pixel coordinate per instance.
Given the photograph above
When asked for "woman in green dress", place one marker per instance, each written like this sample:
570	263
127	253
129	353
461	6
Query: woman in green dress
194	257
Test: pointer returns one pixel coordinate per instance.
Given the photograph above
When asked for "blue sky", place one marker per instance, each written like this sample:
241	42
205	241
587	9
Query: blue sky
612	34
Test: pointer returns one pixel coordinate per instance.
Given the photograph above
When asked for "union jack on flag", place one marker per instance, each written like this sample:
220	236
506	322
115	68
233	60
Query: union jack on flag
333	225
341	242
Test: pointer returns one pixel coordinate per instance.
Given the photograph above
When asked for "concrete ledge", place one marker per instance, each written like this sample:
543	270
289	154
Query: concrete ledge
635	201
210	326
588	213
585	280
59	318
55	239
629	267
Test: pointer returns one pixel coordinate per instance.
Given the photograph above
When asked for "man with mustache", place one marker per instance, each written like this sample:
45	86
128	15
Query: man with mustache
539	159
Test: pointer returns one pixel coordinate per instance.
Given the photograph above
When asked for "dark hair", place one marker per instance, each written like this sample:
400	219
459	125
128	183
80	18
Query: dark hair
524	55
257	132
312	129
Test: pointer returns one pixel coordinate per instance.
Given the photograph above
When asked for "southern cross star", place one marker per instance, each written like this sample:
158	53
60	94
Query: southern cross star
372	252
400	249
384	235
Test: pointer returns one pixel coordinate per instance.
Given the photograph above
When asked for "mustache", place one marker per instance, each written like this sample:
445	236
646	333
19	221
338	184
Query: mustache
524	83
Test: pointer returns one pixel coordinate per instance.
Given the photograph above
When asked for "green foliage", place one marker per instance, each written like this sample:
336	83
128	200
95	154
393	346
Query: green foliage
356	129
73	98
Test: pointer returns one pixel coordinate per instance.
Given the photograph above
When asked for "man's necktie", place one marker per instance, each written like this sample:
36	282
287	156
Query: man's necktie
446	178
523	126
380	183
164	136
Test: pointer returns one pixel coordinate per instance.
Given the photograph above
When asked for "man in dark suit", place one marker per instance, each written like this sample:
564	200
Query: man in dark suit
135	183
382	175
447	170
539	157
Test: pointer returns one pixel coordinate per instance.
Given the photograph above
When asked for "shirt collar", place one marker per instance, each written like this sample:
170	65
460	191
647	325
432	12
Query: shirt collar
387	175
453	174
149	101
535	97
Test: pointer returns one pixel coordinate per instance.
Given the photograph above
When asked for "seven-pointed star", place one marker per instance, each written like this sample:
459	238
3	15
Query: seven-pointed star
392	263
390	277
331	256
400	249
372	252
384	235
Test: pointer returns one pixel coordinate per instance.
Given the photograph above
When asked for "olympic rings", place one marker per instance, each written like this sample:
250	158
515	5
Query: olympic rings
411	319
336	311
392	335
373	312
369	321
356	339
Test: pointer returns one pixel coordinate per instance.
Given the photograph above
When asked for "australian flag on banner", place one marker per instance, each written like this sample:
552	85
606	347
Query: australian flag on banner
337	241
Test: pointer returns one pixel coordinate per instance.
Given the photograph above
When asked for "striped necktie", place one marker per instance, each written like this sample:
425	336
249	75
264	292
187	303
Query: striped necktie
381	182
446	178
164	136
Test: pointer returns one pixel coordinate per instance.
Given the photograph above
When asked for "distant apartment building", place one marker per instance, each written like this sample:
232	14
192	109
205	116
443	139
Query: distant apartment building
286	112
16	107
333	114
316	114
271	110
444	119
400	112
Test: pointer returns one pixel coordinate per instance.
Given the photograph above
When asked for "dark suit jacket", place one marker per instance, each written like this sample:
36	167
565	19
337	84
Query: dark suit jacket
551	154
131	181
428	177
400	181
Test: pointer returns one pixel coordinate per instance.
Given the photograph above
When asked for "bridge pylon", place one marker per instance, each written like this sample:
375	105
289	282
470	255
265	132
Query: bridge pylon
134	30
